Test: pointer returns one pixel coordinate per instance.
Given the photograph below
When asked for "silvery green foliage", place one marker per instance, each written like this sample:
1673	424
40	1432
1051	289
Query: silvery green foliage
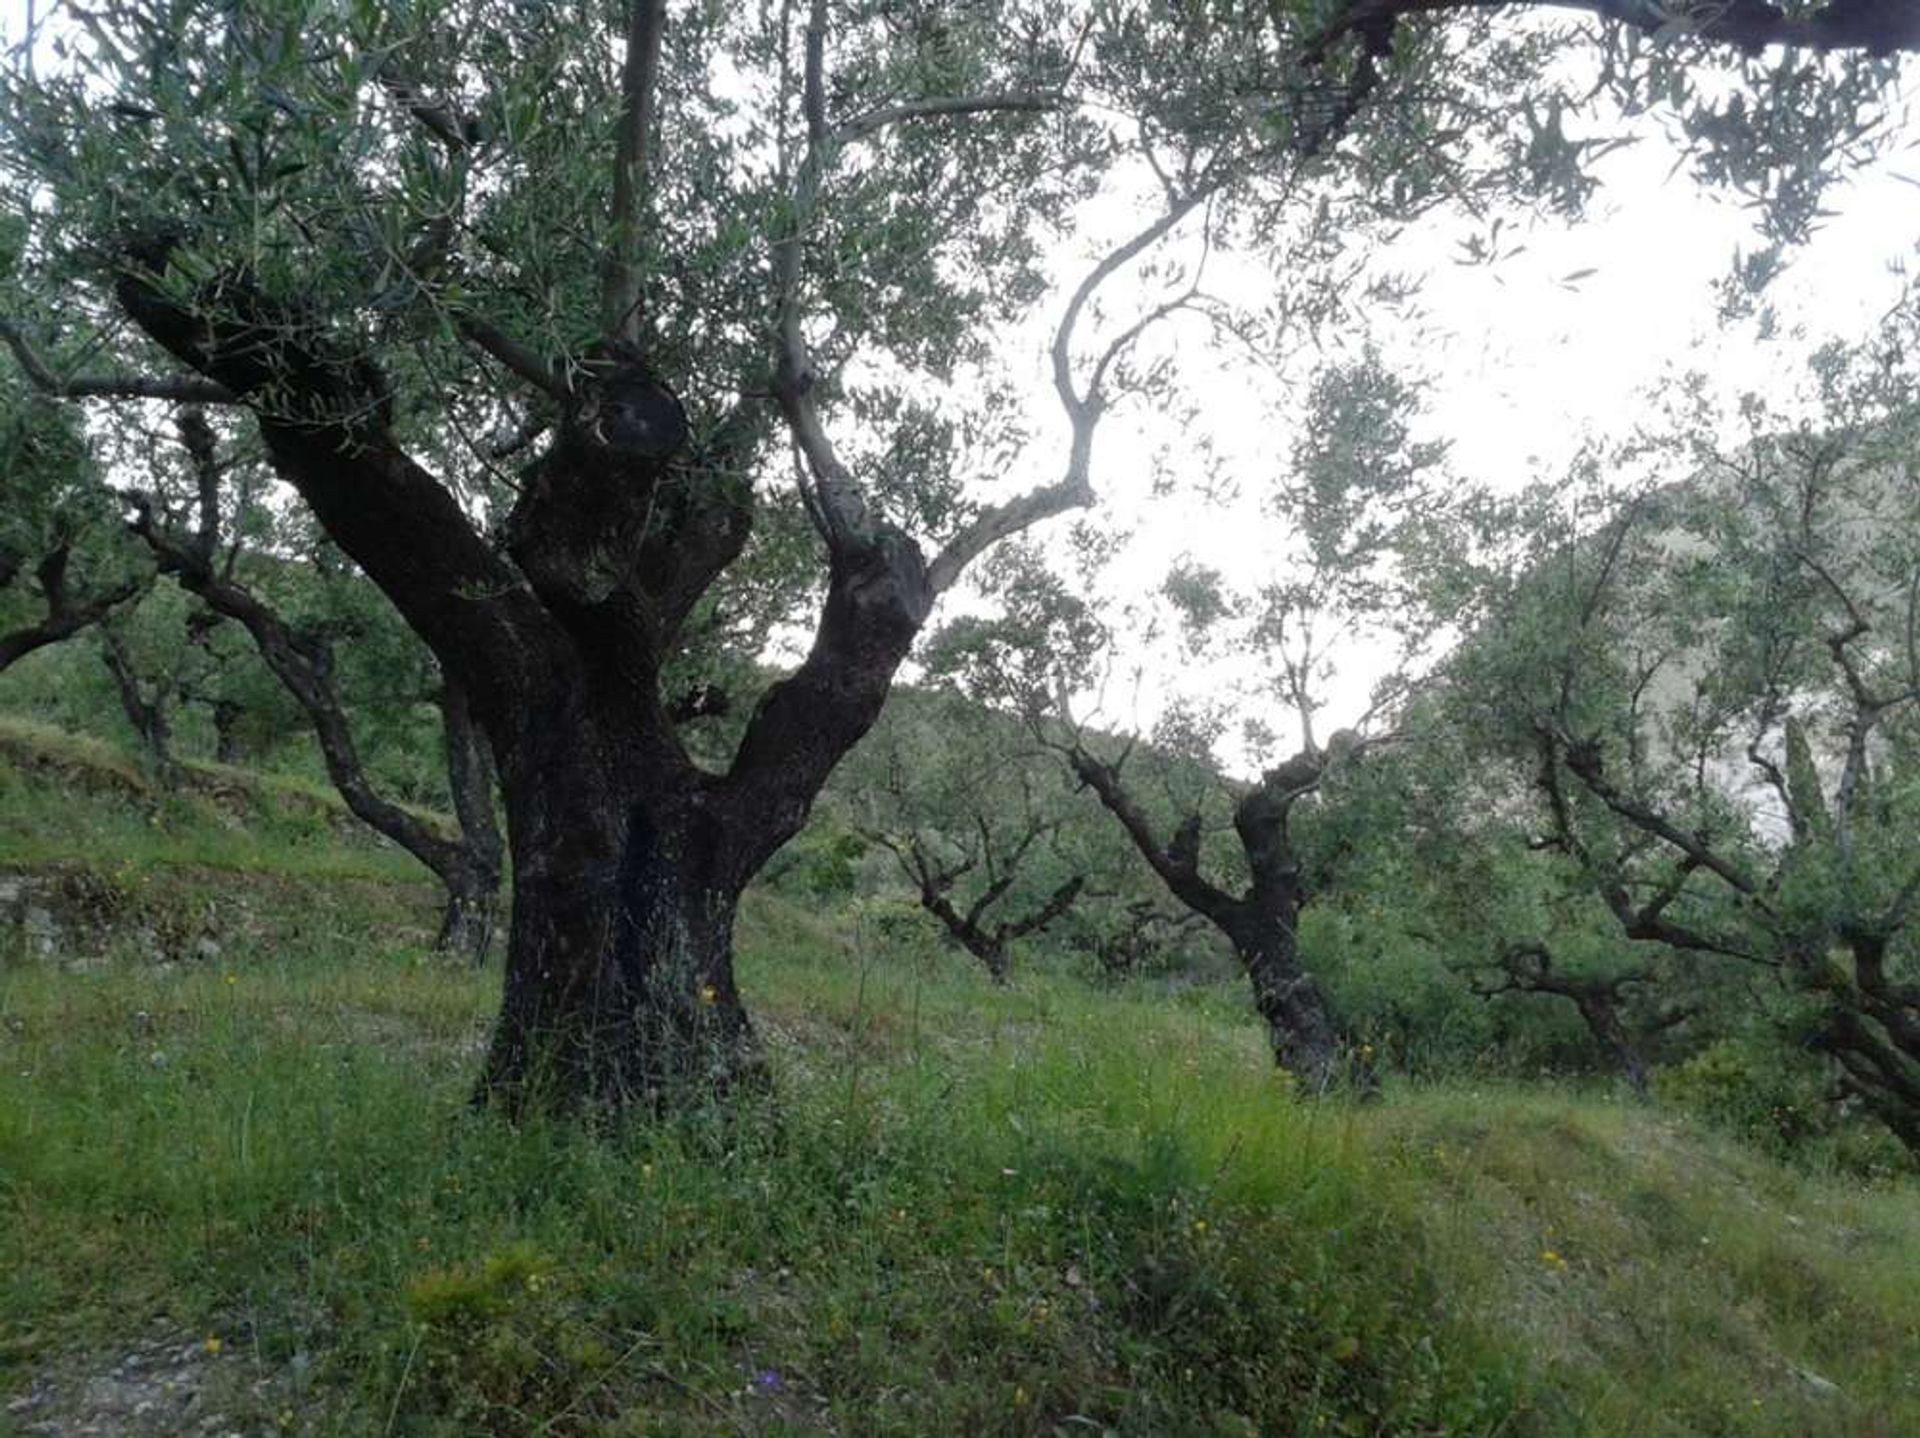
1709	695
387	169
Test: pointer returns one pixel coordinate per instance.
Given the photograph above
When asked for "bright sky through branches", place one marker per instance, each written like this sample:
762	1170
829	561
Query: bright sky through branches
1525	359
1522	359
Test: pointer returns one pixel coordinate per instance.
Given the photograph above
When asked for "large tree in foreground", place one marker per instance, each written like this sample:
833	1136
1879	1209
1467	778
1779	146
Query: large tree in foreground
531	303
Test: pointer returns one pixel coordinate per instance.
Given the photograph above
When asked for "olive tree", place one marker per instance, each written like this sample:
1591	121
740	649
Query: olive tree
532	305
1713	694
63	566
1361	514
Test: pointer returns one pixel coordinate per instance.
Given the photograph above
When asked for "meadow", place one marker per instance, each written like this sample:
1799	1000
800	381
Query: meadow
1054	1209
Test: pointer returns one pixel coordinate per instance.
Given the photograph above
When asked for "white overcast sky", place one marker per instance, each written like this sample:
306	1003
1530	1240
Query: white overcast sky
1522	365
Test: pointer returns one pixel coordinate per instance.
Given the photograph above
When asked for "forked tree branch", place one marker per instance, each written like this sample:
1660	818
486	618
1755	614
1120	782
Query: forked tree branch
457	132
64	615
535	369
1074	489
833	497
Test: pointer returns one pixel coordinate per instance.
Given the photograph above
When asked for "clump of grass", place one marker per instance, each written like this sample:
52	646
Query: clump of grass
65	798
75	761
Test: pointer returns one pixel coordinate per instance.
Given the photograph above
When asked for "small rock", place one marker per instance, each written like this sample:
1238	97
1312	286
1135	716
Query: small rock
1825	1387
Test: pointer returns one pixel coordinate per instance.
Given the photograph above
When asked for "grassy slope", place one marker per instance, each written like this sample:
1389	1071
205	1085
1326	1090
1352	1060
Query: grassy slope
1050	1210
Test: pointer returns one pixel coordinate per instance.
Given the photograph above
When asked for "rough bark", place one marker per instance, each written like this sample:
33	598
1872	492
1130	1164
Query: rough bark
620	988
1262	922
628	859
66	613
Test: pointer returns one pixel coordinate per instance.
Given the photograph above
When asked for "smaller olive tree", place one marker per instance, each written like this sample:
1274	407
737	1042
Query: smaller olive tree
1364	517
1714	696
981	823
63	564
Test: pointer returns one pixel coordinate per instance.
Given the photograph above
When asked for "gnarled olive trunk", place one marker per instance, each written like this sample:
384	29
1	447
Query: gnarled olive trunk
1263	921
628	858
620	987
1306	1042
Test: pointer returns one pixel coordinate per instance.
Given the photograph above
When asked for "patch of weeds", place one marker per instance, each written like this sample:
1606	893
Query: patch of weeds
503	1338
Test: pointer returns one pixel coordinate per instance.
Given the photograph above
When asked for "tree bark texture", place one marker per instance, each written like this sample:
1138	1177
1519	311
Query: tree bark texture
628	858
1263	922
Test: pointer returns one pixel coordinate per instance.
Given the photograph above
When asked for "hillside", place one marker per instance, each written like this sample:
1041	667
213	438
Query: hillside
243	1191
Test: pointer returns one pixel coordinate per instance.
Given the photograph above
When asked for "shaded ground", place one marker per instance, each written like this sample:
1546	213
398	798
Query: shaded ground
168	1385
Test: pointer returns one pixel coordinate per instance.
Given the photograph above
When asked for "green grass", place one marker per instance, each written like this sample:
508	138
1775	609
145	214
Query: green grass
1046	1211
67	798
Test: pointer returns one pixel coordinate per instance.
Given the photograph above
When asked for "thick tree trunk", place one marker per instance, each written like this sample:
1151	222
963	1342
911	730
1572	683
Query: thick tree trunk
620	989
1306	1041
628	859
1602	1017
